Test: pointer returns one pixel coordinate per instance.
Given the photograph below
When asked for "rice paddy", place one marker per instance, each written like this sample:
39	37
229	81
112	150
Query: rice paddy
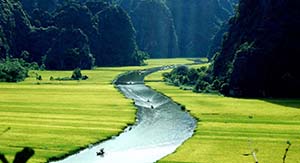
56	118
230	129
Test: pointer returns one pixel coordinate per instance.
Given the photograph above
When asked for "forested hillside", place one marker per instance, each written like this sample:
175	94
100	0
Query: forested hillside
255	54
260	53
168	28
66	35
156	33
102	33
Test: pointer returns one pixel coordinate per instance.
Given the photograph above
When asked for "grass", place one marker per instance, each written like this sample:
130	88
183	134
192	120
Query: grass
228	128
57	118
174	61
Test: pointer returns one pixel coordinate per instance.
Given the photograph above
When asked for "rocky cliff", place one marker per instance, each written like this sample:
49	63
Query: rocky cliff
260	53
172	28
67	34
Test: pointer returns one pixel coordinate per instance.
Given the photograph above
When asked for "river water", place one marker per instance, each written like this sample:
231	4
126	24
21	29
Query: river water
161	127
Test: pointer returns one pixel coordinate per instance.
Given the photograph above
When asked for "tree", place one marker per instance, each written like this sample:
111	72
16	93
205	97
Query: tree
12	70
76	74
118	45
21	157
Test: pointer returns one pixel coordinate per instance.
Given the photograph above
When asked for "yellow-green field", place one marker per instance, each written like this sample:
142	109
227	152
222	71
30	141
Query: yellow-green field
230	127
58	117
55	117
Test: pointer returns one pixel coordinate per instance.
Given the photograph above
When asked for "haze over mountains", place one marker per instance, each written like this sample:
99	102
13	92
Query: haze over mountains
253	47
101	33
177	28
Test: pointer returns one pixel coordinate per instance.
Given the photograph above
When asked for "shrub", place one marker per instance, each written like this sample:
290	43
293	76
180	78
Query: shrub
76	74
12	70
180	70
39	77
201	86
225	89
216	85
84	77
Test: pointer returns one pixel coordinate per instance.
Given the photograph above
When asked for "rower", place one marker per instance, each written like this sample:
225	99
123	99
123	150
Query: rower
101	152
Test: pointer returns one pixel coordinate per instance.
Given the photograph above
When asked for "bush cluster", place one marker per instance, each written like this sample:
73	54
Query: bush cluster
76	75
13	70
199	80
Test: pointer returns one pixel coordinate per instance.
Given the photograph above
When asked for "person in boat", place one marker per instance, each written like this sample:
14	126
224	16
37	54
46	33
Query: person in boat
101	152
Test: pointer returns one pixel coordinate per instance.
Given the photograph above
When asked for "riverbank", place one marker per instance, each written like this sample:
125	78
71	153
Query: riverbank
229	128
57	118
161	126
60	117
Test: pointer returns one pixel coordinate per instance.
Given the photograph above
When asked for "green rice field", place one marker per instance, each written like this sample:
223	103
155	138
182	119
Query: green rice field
57	118
229	129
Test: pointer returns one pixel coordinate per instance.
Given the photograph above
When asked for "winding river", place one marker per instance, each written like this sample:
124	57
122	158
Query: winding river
161	127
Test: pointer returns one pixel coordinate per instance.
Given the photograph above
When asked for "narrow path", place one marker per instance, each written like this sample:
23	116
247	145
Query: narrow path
161	127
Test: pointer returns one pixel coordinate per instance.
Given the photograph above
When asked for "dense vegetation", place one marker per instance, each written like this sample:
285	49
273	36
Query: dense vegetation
260	52
80	33
196	79
155	28
258	56
68	34
42	113
229	129
12	71
168	28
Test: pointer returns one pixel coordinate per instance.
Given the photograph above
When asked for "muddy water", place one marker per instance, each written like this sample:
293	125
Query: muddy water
160	128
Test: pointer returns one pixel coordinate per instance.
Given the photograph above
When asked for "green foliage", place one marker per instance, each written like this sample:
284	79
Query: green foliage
117	43
255	65
171	28
12	70
38	77
76	74
20	157
228	123
62	104
156	33
225	89
200	80
64	35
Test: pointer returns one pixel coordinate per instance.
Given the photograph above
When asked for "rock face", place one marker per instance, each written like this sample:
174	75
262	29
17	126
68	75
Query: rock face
155	28
117	38
14	27
70	50
196	22
67	34
260	54
172	28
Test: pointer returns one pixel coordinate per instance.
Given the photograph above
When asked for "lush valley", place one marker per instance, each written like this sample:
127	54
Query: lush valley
172	28
101	33
57	117
58	59
68	35
229	129
260	53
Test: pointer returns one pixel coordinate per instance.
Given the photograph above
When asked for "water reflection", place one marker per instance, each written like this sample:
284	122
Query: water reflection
161	127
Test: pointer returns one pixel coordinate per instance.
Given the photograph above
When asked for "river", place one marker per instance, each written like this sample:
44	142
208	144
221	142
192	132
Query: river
161	127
